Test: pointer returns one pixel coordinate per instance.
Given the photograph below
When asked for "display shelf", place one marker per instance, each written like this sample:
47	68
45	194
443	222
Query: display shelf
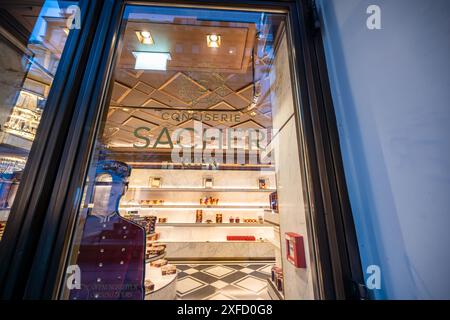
210	241
193	206
274	293
213	225
155	257
271	217
145	189
219	250
165	286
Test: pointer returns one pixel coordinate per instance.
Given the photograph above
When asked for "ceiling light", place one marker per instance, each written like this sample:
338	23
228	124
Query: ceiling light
151	60
213	40
253	113
144	37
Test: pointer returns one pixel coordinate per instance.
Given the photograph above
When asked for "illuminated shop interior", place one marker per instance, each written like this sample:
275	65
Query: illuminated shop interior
215	219
223	207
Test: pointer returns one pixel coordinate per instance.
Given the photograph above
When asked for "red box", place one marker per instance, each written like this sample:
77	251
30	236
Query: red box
241	238
295	249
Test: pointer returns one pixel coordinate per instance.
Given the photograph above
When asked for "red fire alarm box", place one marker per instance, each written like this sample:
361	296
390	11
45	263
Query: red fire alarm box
295	249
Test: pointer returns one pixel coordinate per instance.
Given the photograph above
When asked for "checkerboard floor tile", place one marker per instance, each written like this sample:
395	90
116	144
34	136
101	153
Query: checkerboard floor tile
246	281
218	271
188	284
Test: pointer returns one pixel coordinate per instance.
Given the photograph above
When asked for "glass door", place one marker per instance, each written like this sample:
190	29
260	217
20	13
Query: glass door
32	40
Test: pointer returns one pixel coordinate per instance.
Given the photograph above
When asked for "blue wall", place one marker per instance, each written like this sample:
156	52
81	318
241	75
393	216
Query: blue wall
391	91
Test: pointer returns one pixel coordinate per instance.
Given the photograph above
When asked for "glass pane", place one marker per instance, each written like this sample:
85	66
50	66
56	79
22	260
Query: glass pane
30	53
194	190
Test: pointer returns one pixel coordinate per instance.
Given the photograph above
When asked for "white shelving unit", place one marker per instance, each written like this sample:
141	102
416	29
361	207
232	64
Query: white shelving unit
272	217
181	191
214	225
193	206
209	190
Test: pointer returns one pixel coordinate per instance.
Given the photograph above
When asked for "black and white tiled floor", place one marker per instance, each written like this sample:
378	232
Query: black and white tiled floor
223	281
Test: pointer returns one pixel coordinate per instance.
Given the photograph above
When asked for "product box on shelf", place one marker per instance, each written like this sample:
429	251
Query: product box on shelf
277	278
153	236
156	250
241	238
158	263
207	201
273	199
168	269
162	220
149	223
199	216
151	202
149	286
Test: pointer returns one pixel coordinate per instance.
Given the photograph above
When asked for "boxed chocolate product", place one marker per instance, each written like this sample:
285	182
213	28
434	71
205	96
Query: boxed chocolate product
209	201
279	282
158	263
199	216
168	269
241	238
149	285
156	250
273	199
153	237
149	224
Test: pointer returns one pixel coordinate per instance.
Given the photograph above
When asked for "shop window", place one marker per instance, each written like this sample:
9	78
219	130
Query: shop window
195	178
32	39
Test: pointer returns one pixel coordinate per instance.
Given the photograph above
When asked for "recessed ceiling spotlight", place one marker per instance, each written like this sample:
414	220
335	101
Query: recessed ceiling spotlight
253	113
145	37
213	40
151	60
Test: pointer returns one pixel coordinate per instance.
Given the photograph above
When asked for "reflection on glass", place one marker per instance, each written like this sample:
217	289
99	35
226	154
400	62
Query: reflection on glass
27	68
111	252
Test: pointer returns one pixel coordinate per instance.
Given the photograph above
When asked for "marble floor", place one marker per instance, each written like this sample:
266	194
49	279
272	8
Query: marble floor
220	281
